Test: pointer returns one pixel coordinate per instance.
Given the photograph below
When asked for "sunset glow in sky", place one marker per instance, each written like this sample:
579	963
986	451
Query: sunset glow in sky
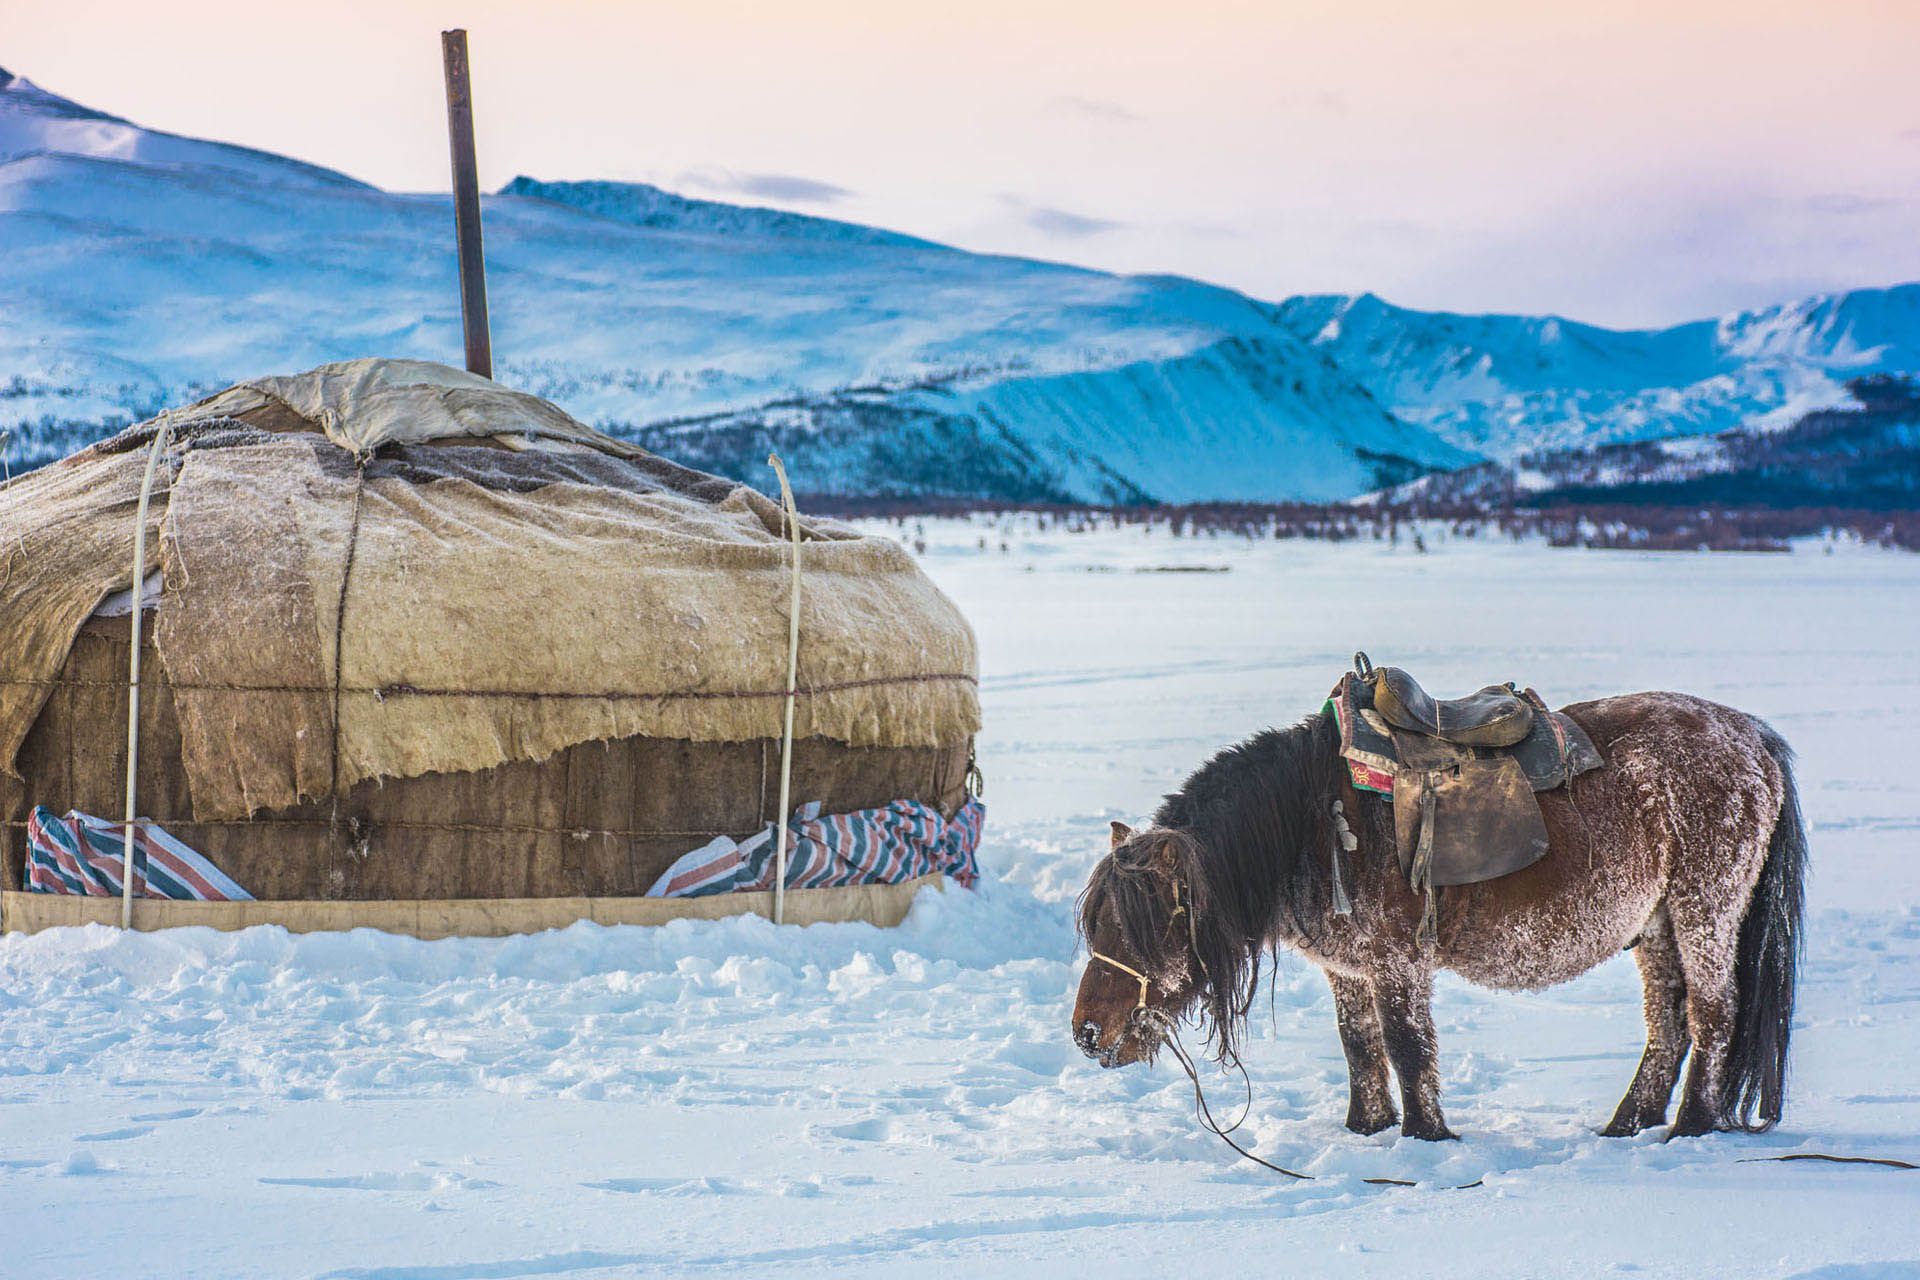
1611	160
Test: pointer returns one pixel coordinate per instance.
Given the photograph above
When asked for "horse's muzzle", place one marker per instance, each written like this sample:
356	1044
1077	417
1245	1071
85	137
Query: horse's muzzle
1125	1048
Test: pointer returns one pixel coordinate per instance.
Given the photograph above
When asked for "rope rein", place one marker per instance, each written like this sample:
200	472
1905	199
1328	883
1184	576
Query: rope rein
1205	1115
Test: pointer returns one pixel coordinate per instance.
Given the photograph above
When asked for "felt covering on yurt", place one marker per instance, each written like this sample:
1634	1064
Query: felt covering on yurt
389	570
66	543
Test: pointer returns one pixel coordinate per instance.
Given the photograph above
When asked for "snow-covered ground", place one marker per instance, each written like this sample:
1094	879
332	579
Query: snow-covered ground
735	1098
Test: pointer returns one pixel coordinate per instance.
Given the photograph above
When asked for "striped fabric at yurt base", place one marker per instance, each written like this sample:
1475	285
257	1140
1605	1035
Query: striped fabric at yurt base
890	845
81	854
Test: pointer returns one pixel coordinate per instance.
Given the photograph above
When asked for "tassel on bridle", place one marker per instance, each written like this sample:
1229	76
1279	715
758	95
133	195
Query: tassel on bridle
1344	842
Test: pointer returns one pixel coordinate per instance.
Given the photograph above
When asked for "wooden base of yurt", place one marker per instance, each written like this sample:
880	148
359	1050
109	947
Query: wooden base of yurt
523	846
884	905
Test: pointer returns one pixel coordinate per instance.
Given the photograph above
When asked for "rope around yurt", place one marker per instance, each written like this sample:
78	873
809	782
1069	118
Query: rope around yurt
793	693
160	436
347	559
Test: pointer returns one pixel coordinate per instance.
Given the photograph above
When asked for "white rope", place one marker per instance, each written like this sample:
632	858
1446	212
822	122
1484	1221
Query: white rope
6	482
793	693
133	664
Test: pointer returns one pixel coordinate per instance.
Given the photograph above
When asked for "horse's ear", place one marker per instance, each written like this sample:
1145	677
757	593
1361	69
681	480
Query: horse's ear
1121	834
1166	857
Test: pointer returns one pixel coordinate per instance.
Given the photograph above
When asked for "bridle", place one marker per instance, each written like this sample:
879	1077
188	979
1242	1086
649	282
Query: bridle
1193	943
1140	1005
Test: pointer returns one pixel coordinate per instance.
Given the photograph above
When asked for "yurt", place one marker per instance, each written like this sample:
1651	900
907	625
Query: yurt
422	653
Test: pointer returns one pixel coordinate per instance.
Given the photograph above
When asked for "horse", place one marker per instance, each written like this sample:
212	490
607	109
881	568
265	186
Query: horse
1687	846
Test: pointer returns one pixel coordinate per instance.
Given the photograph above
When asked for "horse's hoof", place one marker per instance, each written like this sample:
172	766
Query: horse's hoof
1618	1128
1691	1126
1367	1126
1430	1133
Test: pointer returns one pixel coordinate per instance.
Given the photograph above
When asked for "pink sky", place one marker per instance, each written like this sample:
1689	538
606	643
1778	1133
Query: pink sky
1616	161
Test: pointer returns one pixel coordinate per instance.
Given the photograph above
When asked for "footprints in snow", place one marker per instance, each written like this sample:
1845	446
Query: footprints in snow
83	1163
116	1135
873	1129
1049	1191
418	1180
787	1187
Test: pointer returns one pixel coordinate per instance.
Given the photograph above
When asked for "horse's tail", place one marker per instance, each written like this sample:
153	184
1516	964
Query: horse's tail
1767	964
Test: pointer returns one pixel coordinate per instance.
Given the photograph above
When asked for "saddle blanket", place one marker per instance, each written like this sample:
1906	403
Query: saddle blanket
81	854
890	845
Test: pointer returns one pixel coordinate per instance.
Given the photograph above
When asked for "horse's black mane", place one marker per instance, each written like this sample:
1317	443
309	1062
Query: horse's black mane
1250	835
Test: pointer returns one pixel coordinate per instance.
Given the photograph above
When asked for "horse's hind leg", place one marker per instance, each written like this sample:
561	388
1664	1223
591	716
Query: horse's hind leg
1370	1092
1664	986
1707	939
1404	999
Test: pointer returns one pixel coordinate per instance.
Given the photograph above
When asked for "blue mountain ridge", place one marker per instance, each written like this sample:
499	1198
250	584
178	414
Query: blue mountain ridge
144	268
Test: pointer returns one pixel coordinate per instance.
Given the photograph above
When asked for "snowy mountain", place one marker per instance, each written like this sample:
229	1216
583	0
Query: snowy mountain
35	122
1507	385
1232	420
1864	455
141	268
645	206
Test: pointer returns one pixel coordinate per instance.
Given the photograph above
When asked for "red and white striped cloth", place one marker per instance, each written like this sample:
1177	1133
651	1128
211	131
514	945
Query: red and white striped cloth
890	845
81	854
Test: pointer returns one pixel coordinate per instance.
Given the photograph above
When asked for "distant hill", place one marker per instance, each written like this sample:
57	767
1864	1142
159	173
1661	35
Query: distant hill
144	268
641	205
1864	455
1507	385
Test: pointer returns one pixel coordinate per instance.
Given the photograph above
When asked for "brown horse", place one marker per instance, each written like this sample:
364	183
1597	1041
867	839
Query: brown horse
1686	846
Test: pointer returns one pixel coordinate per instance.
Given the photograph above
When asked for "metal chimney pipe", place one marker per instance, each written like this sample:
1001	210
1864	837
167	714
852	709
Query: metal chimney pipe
466	204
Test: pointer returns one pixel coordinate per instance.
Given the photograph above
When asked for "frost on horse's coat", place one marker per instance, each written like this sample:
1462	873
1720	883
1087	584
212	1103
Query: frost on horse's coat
1688	846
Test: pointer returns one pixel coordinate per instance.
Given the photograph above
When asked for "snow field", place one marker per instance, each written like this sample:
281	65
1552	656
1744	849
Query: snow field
732	1097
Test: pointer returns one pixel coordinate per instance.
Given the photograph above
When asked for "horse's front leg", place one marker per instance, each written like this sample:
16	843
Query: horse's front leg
1370	1092
1403	997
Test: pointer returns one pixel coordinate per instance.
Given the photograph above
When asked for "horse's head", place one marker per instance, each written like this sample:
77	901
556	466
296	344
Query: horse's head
1140	919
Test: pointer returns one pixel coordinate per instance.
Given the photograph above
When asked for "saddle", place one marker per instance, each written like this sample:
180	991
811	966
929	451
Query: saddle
1462	774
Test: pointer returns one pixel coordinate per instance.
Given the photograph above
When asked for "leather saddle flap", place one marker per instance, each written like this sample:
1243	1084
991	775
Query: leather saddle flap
1556	750
1487	823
